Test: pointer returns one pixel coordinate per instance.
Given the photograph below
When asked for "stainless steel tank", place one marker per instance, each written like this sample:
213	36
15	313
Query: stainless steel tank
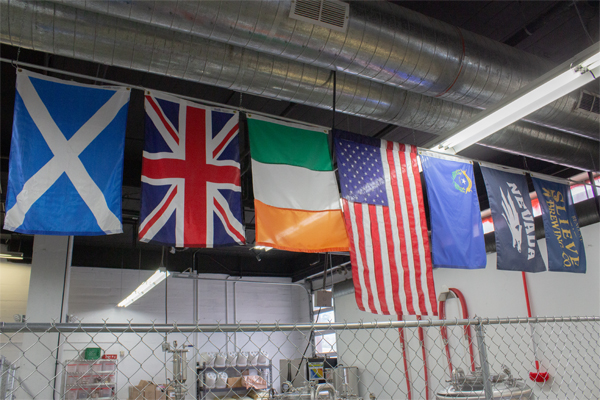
471	387
345	381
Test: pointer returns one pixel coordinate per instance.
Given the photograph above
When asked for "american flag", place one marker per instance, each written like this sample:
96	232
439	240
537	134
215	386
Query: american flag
191	193
385	219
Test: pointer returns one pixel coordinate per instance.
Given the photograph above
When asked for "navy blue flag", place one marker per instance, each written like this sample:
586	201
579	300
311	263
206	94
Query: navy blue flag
516	246
191	192
66	157
566	252
456	229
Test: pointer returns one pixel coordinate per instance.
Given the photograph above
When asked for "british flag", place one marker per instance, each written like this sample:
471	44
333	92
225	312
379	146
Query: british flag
191	193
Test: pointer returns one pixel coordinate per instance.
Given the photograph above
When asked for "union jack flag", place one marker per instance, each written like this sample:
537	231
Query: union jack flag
191	193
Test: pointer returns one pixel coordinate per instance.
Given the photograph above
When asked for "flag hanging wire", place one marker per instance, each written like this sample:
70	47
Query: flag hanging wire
18	63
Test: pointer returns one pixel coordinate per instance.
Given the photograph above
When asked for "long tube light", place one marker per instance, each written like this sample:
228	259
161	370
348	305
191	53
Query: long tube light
11	255
567	77
160	275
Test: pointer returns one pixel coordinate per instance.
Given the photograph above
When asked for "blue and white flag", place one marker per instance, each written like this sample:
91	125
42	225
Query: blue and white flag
66	157
566	252
456	229
516	246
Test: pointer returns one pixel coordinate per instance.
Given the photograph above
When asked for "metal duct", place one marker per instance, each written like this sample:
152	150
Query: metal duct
536	141
86	35
384	43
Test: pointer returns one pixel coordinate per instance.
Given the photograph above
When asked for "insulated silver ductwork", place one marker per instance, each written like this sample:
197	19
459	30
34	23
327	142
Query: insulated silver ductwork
384	43
535	141
66	31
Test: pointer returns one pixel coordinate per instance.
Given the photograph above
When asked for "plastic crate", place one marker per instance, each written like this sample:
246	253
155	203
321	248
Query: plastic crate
92	353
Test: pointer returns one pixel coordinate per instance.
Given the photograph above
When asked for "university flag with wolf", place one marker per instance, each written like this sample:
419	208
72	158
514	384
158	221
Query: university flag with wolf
512	212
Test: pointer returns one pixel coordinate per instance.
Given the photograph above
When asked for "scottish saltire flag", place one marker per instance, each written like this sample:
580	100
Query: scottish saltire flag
512	213
385	218
566	252
456	229
66	157
191	193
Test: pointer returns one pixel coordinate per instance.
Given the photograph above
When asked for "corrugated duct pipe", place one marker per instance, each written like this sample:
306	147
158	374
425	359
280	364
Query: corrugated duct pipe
70	32
384	43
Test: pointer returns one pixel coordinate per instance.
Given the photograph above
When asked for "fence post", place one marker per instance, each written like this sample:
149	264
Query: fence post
483	360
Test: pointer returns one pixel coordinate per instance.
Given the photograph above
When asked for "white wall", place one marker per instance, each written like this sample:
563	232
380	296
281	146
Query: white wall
490	293
95	292
14	288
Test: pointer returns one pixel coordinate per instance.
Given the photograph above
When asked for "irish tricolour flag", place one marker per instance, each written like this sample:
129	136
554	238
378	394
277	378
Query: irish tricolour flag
296	197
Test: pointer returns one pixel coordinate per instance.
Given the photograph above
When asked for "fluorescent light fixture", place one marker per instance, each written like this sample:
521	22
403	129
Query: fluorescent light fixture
567	77
160	275
265	248
11	255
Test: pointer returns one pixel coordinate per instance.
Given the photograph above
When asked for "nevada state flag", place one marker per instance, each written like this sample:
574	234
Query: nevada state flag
191	193
66	157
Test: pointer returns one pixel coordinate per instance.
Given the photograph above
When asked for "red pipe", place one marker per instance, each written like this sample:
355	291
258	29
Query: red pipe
536	376
537	363
444	332
404	356
467	329
422	341
526	294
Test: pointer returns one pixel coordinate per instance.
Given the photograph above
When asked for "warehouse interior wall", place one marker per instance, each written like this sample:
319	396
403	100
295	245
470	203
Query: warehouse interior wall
488	293
95	292
14	289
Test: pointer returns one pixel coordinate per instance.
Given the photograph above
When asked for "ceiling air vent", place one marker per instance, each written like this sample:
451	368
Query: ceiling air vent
589	102
331	14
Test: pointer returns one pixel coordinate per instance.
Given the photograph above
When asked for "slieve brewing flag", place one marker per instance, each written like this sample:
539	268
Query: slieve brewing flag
566	252
385	220
516	246
456	229
191	193
296	197
66	157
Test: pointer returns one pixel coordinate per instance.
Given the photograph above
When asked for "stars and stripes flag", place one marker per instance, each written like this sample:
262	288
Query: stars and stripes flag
191	193
385	219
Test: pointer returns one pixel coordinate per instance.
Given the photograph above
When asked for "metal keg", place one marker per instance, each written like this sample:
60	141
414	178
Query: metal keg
471	387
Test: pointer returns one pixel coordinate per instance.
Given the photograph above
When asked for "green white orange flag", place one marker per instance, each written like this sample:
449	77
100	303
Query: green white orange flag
296	196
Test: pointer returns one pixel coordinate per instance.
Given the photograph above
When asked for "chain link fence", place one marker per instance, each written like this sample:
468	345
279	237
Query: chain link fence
424	359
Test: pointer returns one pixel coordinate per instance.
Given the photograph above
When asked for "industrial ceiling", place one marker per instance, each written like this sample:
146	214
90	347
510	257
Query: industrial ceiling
405	71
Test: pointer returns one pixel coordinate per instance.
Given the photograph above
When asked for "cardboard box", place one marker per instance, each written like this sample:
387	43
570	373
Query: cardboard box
146	390
236	382
135	393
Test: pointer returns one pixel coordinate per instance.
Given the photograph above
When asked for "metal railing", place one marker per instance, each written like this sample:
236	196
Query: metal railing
509	358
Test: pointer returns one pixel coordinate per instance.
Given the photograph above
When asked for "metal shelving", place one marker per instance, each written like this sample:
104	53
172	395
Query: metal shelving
90	379
232	372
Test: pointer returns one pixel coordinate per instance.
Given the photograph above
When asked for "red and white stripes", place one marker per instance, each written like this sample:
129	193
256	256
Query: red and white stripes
389	245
